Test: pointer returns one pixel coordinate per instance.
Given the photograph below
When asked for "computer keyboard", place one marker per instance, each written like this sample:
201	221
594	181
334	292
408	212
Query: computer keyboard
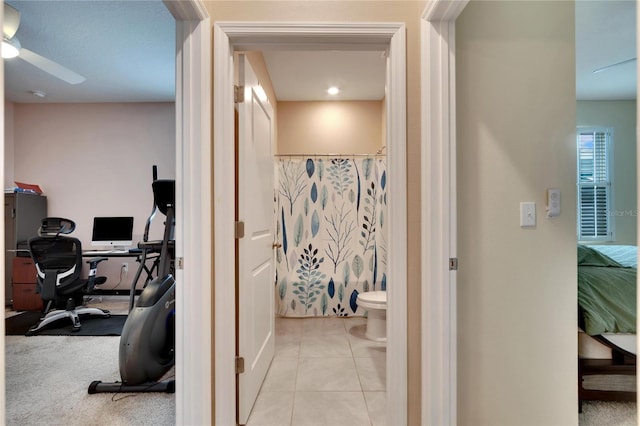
102	252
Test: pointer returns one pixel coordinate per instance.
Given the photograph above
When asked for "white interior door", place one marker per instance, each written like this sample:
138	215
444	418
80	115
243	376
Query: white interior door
256	344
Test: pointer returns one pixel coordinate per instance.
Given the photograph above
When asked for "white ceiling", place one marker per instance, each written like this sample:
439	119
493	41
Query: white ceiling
126	51
306	76
605	35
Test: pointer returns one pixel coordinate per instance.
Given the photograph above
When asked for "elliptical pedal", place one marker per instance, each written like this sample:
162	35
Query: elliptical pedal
166	386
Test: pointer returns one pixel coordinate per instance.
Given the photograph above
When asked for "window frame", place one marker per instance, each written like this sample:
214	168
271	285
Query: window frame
607	183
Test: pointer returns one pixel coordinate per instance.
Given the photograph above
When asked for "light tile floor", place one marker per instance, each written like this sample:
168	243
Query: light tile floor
325	372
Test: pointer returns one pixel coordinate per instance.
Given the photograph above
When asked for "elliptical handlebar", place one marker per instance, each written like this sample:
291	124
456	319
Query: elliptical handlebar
154	210
163	201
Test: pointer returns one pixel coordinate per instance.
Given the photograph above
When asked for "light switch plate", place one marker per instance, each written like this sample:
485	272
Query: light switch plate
527	214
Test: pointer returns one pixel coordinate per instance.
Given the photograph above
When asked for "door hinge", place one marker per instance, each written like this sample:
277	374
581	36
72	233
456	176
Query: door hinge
238	94
239	229
453	263
179	262
239	365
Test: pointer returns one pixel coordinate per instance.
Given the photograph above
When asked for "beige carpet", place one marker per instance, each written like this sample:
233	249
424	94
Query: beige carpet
47	378
602	413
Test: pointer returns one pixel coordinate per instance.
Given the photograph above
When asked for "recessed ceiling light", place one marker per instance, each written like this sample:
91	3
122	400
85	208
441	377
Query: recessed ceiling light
38	93
333	90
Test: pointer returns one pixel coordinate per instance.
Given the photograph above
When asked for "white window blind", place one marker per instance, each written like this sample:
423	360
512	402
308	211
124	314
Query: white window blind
594	184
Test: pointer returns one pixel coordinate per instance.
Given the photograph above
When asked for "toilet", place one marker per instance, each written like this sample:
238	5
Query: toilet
375	302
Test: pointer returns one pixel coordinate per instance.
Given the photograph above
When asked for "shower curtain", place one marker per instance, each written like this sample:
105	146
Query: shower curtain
331	215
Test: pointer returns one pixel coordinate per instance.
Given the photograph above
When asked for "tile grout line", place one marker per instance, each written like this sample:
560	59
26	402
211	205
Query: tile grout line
353	357
295	382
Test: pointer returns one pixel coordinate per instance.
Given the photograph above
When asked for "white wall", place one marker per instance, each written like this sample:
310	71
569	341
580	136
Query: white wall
517	321
96	160
621	116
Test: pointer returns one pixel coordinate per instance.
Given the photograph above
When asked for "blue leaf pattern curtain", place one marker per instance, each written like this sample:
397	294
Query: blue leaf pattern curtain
331	222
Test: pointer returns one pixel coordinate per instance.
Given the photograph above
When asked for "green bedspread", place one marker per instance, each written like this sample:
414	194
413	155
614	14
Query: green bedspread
606	293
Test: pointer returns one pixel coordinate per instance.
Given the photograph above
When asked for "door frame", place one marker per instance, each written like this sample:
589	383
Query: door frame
2	247
193	231
230	36
439	217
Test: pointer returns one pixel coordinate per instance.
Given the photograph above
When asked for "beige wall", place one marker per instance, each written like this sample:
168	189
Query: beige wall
95	160
408	12
621	116
517	334
349	127
8	145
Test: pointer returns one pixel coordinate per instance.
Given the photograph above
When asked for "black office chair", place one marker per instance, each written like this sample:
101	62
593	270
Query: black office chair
58	261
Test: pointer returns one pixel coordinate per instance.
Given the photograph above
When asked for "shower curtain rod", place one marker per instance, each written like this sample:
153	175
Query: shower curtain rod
331	155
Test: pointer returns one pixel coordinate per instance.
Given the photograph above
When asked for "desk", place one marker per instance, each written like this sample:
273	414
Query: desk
111	253
142	267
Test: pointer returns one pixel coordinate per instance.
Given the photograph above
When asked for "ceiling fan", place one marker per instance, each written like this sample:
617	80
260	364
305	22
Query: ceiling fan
617	64
11	48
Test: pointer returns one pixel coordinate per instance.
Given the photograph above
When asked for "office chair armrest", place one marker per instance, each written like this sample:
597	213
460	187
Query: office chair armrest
93	262
93	280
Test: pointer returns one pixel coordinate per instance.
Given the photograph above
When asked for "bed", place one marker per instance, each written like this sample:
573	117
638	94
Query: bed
607	322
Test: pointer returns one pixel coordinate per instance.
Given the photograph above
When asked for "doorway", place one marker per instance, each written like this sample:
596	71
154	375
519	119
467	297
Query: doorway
605	117
193	200
254	36
330	186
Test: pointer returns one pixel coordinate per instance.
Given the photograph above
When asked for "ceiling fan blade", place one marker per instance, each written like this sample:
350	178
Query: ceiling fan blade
10	21
51	67
608	67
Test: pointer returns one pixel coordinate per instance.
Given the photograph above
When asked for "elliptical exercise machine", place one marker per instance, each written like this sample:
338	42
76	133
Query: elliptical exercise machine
147	344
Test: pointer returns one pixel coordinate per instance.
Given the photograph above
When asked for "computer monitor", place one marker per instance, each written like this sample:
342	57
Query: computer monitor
112	232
